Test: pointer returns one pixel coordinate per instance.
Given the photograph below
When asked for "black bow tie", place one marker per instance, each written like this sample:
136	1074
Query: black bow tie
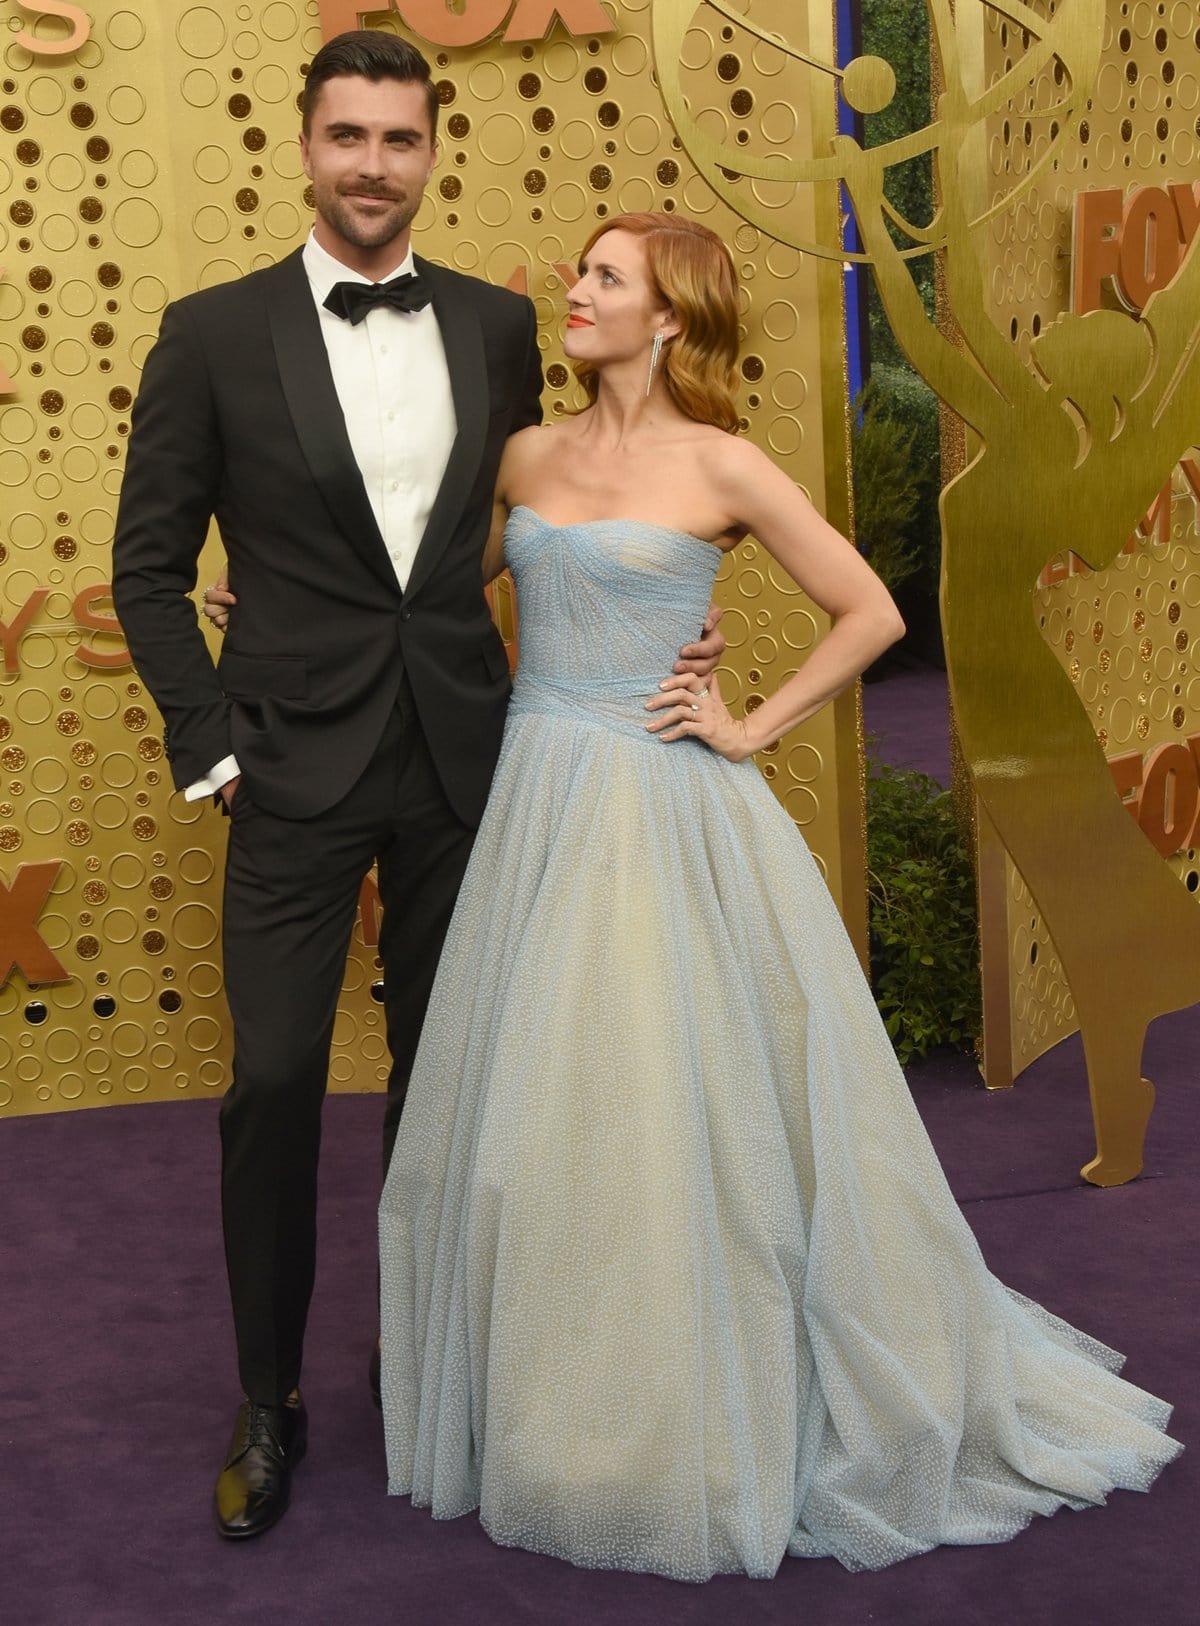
352	300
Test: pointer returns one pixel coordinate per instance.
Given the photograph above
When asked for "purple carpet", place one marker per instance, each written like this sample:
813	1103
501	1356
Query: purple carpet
909	715
120	1389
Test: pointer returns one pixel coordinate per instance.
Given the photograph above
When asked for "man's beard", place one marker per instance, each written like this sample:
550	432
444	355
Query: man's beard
375	232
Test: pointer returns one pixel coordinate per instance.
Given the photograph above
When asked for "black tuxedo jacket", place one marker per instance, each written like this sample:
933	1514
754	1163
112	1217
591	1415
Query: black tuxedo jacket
237	418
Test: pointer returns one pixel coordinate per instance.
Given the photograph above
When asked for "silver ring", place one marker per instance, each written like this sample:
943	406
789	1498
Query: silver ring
702	694
695	709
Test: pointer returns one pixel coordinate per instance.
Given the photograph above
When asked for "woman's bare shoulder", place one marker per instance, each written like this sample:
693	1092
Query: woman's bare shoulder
526	442
733	452
526	451
529	446
739	466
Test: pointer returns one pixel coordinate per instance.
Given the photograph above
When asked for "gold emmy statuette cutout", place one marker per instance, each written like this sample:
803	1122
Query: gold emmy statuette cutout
1073	446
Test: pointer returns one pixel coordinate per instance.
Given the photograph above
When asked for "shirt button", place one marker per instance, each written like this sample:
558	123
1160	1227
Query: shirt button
383	349
391	417
395	485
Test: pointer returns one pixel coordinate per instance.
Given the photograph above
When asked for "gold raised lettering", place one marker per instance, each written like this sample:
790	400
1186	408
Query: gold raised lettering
90	618
370	911
11	632
533	19
1150	245
1161	792
1170	797
470	22
1190	470
1097	246
80	23
1156	521
1187	209
476	21
1136	243
22	947
1126	770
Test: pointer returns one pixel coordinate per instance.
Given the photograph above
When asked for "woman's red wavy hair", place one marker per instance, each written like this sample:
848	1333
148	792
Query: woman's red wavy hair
692	271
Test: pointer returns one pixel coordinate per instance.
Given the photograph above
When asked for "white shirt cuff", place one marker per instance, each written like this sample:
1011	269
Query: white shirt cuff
224	771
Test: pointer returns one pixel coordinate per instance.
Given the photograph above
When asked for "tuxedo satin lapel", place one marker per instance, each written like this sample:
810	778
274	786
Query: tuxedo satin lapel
316	412
462	338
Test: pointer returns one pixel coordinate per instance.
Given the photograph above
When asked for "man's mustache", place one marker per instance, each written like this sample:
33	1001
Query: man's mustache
369	192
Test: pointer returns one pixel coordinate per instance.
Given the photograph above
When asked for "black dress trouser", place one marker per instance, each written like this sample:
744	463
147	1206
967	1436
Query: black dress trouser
291	893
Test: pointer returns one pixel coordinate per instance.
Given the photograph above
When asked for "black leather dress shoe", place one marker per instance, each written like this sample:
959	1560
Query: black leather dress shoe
374	1376
256	1481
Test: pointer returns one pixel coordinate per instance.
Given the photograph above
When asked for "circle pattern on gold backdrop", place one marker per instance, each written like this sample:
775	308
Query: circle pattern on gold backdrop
166	160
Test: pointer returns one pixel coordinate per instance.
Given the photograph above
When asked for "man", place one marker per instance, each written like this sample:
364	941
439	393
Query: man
342	416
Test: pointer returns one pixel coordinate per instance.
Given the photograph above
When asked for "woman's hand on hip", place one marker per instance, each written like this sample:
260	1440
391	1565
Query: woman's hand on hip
690	707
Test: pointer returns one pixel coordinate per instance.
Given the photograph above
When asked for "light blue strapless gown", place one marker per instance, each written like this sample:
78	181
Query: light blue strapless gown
672	1279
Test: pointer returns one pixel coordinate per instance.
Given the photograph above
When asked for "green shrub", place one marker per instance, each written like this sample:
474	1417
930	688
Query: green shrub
888	484
905	398
923	914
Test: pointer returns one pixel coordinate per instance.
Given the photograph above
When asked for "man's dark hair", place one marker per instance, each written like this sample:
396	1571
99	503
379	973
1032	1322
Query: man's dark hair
368	53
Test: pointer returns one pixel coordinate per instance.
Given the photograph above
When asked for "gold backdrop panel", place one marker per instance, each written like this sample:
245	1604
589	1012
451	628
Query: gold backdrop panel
160	156
1121	634
1080	419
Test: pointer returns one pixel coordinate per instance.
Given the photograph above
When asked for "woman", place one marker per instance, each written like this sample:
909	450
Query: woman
671	1278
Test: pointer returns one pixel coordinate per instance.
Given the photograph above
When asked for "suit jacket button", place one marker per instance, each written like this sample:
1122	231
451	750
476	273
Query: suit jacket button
406	614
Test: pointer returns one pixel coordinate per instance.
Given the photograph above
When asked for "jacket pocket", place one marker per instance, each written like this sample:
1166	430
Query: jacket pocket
263	677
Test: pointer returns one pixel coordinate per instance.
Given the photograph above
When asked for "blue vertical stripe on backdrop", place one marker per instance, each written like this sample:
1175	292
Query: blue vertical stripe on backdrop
858	359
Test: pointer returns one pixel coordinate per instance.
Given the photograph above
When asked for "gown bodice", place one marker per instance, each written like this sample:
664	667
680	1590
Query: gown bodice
605	607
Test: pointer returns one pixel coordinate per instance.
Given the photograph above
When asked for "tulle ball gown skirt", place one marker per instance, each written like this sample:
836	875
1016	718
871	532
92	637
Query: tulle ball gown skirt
671	1278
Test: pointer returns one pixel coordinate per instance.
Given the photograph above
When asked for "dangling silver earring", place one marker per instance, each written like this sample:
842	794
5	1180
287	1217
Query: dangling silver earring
655	352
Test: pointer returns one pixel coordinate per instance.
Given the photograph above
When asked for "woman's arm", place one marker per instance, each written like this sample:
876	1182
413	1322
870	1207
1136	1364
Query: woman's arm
493	552
765	502
516	462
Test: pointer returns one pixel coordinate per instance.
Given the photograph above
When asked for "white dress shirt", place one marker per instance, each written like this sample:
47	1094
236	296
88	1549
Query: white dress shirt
393	385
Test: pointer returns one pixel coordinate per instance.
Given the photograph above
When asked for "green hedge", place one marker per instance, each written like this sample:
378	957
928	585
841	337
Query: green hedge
906	398
924	923
888	488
